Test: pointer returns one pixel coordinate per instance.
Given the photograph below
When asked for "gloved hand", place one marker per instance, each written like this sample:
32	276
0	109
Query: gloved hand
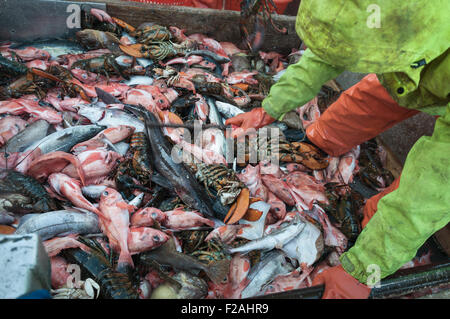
340	285
256	119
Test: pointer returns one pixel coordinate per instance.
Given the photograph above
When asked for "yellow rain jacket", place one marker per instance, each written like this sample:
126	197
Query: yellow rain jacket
404	42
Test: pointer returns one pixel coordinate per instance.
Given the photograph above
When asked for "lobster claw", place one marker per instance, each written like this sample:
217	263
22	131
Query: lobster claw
239	208
133	50
307	155
44	74
124	25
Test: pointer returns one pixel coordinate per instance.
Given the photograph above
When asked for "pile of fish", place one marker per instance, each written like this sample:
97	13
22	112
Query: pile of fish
85	163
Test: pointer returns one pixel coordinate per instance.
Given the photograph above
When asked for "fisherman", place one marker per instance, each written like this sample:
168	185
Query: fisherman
404	45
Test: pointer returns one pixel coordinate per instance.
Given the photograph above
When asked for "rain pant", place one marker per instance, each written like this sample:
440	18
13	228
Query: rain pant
407	49
409	215
412	208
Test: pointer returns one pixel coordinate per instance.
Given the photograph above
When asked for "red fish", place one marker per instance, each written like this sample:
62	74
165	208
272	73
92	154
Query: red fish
333	237
179	219
102	16
175	134
230	48
292	167
54	246
277	206
69	59
307	187
46	164
31	53
178	34
70	188
113	134
140	97
25	159
10	126
193	59
251	177
117	228
227	233
87	77
279	188
204	155
348	167
309	113
158	97
170	94
96	164
30	104
201	108
242	77
237	277
9	160
294	280
141	239
266	167
38	64
147	217
66	104
60	275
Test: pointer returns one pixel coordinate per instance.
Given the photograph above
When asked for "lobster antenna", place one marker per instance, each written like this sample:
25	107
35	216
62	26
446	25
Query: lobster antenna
28	154
6	159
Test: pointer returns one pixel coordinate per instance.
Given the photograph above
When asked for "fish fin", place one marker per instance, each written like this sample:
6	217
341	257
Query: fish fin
124	261
218	271
123	205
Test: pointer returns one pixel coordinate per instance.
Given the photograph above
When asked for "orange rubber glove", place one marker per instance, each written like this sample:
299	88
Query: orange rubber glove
255	119
340	285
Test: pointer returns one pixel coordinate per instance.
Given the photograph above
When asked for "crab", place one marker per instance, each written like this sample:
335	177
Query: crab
168	73
89	289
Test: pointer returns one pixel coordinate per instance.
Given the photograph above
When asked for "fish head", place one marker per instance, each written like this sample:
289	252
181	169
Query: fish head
92	113
149	212
56	180
124	60
266	167
249	175
83	75
110	197
158	237
157	215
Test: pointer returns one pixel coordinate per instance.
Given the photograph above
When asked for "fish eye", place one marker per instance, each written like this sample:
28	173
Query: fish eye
161	101
154	215
84	76
105	193
243	171
156	238
277	209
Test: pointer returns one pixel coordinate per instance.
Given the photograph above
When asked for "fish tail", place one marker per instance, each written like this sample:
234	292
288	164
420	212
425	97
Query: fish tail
125	260
208	222
218	271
